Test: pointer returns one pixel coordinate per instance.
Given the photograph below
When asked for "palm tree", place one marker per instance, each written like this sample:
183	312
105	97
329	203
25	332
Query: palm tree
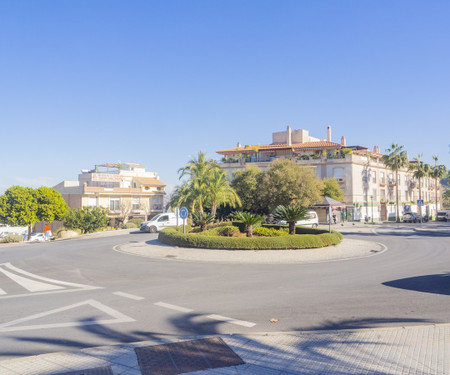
202	219
395	160
438	172
421	170
249	220
291	214
220	191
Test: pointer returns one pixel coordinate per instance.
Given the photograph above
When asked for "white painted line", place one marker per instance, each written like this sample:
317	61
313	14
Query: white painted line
231	320
2	292
117	318
29	274
30	285
127	295
172	307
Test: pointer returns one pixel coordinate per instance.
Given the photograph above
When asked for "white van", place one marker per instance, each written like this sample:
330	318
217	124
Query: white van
312	220
447	216
159	222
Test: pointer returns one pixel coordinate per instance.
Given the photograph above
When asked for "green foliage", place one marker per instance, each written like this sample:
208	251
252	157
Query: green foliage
248	185
129	225
346	151
202	219
172	236
19	206
287	183
137	221
227	231
271	232
250	220
51	205
10	238
291	214
87	219
331	189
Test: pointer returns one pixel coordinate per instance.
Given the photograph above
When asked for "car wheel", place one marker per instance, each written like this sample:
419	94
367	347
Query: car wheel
315	225
152	229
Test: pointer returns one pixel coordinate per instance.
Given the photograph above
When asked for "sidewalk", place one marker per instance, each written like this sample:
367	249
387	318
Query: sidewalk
423	350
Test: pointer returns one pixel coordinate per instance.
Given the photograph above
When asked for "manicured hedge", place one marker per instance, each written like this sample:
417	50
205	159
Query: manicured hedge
174	236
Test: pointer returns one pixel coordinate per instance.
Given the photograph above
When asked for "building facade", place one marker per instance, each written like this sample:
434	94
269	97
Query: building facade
126	190
368	186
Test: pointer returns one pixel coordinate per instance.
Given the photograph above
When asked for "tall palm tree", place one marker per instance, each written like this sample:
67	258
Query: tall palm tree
220	191
421	170
395	160
438	172
291	214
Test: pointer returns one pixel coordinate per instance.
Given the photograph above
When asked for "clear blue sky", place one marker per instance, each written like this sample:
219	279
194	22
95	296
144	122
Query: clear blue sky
84	82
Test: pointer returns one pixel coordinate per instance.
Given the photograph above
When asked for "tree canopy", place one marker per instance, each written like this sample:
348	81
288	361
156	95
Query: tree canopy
331	189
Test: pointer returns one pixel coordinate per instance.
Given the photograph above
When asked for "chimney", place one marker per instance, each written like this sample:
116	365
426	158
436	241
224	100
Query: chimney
329	133
288	136
343	142
238	144
376	149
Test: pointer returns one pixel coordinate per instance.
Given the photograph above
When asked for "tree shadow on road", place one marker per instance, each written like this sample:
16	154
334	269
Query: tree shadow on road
438	284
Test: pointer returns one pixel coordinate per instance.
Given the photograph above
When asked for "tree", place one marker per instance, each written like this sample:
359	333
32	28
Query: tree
248	186
446	198
87	219
291	214
250	220
125	207
395	160
51	205
19	206
202	219
438	172
219	191
420	171
286	183
331	189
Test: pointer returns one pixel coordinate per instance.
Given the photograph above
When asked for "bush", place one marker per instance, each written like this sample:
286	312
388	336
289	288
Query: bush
10	238
137	221
227	231
87	219
172	236
271	232
130	225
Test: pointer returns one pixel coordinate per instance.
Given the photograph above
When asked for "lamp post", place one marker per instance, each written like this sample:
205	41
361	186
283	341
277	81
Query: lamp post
371	199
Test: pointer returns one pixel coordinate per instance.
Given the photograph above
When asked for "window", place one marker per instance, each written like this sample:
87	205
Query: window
382	179
383	194
135	204
92	202
114	204
163	218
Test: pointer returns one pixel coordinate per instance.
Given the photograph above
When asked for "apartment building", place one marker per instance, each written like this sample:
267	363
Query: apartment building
368	186
126	190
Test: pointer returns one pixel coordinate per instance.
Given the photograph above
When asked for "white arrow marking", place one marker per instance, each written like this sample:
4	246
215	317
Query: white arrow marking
117	318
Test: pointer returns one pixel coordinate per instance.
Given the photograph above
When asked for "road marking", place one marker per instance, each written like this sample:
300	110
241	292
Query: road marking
173	307
116	315
127	295
36	284
231	320
30	285
32	275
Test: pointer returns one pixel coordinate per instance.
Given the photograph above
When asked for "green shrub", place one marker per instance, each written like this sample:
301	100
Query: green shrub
172	236
227	231
137	221
130	225
271	232
10	238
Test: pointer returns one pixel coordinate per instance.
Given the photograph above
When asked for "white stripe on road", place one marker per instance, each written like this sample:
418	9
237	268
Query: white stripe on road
29	274
173	307
231	320
2	292
30	285
127	295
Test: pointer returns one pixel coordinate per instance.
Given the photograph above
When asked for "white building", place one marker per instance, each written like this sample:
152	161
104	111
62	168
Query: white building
369	187
126	190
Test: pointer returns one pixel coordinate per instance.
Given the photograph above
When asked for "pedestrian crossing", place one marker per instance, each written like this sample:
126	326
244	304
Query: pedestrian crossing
16	282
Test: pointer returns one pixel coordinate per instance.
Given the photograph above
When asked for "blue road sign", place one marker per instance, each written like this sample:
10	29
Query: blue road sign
420	202
184	213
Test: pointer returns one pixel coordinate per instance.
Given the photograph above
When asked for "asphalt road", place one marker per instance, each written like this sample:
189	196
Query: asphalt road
66	295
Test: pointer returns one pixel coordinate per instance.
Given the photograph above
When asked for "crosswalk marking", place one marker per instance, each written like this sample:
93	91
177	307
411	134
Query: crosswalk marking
2	292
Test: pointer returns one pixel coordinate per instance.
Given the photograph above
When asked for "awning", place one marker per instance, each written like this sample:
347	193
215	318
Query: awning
330	202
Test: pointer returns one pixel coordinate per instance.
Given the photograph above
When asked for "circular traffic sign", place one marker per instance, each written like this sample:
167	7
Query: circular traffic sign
184	213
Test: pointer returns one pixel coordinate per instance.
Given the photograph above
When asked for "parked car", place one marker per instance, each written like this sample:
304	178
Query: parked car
37	237
312	220
447	216
441	215
159	222
411	217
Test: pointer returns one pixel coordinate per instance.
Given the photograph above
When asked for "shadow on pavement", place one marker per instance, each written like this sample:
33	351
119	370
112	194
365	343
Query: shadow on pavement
438	284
